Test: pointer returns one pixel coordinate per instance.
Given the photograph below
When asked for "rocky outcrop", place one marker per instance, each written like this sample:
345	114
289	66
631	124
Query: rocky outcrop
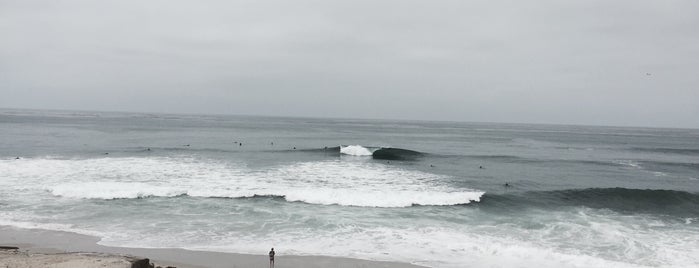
11	257
141	263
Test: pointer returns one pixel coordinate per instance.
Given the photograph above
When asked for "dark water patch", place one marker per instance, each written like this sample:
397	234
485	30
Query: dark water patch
670	166
526	160
593	162
573	148
182	148
396	154
326	150
278	198
682	151
662	202
502	158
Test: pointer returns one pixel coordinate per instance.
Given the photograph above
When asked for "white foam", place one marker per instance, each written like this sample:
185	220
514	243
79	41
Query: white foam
629	163
556	239
349	183
356	150
582	240
24	220
367	198
113	190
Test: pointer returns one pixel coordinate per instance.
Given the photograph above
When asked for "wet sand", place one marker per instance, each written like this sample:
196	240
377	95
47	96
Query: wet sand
38	242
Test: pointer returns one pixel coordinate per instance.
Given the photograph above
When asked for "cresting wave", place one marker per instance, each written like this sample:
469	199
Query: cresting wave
379	152
665	202
336	182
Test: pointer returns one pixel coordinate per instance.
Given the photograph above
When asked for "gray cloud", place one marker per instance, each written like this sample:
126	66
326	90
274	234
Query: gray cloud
575	62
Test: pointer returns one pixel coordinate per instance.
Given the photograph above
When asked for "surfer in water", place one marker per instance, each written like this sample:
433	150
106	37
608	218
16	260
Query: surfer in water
271	258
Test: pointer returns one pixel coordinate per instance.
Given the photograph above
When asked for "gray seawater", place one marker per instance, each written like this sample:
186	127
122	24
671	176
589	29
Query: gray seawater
409	191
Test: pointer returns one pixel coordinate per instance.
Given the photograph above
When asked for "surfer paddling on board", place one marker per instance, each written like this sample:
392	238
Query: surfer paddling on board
271	258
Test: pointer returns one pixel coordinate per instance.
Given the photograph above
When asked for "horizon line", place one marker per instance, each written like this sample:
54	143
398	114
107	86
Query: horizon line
348	118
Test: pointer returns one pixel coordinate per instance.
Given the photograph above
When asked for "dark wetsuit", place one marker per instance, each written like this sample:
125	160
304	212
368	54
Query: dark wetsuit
271	258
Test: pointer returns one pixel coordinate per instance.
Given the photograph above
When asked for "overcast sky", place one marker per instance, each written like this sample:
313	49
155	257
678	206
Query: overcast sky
620	62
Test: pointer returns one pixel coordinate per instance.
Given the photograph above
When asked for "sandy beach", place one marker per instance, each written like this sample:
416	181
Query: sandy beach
45	248
16	258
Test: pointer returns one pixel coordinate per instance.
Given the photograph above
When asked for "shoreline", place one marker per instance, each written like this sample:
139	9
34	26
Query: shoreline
42	241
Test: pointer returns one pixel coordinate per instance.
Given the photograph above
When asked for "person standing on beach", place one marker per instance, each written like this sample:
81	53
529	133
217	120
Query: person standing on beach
271	258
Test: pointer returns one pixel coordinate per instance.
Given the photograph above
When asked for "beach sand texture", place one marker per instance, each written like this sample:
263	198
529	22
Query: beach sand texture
55	249
17	259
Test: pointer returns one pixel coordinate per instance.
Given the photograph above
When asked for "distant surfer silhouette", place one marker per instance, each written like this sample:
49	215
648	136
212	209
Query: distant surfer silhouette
481	167
507	184
271	258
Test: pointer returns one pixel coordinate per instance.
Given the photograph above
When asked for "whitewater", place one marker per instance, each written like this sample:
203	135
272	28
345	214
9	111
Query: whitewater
427	193
346	183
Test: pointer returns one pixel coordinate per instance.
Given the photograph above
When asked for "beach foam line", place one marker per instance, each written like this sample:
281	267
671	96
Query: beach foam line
319	196
473	245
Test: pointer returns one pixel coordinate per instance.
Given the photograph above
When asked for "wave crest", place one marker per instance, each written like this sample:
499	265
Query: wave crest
113	190
356	150
321	196
383	153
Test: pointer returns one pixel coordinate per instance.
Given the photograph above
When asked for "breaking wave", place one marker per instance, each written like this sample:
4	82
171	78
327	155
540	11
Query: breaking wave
336	182
321	196
379	152
357	150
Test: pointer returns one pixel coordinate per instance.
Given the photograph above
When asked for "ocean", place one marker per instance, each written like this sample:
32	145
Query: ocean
439	194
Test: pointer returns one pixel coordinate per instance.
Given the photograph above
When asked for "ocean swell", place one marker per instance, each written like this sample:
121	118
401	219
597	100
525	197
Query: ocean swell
667	202
665	150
